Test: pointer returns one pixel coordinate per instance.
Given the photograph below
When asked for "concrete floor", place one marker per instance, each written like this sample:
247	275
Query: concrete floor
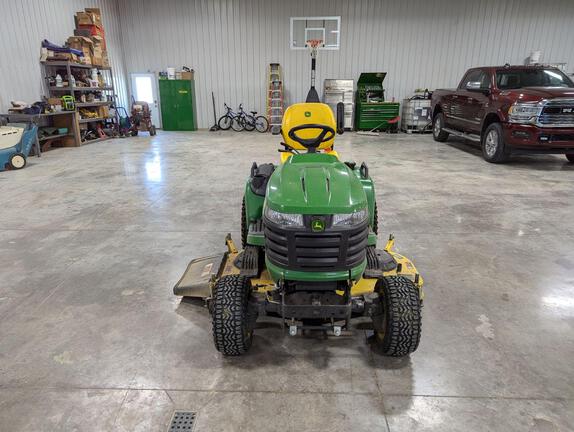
92	339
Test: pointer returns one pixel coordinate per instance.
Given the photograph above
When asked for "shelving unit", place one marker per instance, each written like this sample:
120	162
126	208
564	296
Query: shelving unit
66	69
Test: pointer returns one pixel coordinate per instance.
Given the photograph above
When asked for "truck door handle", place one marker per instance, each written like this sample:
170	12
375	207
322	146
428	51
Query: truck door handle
455	97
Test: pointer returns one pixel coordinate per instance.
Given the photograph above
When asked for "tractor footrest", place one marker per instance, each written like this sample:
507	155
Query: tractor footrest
378	262
248	261
198	277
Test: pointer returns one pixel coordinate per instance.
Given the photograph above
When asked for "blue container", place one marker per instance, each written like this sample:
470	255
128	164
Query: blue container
16	141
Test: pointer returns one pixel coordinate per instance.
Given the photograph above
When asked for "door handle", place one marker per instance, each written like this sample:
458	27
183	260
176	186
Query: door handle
454	96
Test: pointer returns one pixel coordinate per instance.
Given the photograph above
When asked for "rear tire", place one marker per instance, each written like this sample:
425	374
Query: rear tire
224	122
376	220
437	128
232	332
492	144
398	329
244	227
248	123
237	124
570	157
152	131
261	124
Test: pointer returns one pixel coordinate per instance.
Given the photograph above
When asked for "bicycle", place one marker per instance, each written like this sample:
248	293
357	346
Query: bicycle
252	121
231	120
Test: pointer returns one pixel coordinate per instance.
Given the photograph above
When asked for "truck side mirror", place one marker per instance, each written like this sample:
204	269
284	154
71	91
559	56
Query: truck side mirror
473	85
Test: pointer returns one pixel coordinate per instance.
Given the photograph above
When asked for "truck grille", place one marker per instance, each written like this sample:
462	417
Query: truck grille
557	113
310	251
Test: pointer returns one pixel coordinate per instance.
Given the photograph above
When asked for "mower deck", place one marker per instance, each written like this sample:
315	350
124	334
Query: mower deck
202	274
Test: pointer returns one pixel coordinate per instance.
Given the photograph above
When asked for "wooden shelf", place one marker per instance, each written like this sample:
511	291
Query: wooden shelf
80	89
93	120
74	65
96	140
51	137
90	104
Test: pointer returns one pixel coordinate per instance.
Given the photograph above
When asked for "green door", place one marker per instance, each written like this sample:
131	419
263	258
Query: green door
177	105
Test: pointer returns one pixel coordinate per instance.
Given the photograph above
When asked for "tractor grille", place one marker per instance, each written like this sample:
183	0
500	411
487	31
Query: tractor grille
303	249
557	113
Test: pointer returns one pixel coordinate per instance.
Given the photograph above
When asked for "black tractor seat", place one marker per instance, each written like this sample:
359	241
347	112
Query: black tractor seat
260	177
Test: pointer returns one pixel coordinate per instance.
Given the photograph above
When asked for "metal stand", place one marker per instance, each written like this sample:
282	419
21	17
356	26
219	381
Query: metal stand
215	126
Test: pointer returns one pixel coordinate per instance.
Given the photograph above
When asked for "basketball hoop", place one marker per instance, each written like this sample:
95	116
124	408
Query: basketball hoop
313	45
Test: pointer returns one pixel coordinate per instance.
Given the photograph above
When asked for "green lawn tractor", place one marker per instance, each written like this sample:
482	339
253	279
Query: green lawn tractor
309	257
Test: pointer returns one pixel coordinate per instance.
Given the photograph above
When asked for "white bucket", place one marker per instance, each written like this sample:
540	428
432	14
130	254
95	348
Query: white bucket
171	73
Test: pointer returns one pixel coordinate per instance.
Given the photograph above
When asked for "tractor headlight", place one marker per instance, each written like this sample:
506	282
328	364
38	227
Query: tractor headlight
284	219
524	112
350	219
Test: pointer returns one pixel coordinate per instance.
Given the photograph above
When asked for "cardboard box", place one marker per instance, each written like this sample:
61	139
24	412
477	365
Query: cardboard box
97	16
98	47
54	101
94	31
187	75
105	60
83	44
97	61
89	17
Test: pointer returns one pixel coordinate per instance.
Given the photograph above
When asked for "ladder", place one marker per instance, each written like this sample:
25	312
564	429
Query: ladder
274	97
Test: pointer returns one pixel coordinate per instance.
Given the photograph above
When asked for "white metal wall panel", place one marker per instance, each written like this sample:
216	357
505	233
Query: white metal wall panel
23	26
420	43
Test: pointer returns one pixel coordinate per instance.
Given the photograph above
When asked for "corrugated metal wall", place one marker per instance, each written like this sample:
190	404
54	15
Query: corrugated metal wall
23	26
420	43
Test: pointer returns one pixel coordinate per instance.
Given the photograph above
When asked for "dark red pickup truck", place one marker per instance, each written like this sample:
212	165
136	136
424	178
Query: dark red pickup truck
509	109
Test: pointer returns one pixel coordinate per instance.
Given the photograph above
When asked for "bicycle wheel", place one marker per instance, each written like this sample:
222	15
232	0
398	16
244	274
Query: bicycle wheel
225	122
249	123
261	124
237	124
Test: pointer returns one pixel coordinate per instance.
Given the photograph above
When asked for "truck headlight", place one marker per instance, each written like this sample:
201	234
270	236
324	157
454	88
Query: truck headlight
350	219
524	112
284	219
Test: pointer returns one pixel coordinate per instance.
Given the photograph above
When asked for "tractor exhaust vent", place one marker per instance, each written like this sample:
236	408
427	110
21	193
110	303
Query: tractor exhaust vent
182	421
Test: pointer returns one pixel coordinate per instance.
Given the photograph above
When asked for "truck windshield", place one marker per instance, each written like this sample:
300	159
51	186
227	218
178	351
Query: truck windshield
518	78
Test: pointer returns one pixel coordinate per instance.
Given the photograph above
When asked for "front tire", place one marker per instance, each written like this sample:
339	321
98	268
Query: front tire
437	128
224	122
17	161
232	332
493	147
398	329
152	131
570	157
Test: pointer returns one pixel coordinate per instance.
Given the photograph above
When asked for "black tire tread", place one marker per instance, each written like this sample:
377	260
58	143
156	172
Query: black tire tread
403	316
244	227
442	136
220	122
376	220
231	333
501	155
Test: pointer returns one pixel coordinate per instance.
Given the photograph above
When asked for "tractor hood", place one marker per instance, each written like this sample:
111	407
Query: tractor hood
315	183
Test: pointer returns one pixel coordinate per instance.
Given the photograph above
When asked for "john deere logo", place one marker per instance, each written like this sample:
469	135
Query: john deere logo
307	113
317	225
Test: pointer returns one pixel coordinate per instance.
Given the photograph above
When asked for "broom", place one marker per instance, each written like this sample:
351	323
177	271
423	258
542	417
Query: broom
372	131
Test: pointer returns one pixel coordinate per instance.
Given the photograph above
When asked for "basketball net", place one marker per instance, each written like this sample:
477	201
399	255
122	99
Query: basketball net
313	45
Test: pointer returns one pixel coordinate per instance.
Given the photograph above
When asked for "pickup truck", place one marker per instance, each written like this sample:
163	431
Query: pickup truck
509	110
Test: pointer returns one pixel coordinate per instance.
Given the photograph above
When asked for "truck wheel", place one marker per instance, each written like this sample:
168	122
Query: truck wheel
244	227
398	329
437	128
493	147
570	157
232	332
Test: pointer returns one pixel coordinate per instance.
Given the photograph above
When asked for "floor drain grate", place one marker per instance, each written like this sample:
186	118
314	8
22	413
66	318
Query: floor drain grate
182	421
